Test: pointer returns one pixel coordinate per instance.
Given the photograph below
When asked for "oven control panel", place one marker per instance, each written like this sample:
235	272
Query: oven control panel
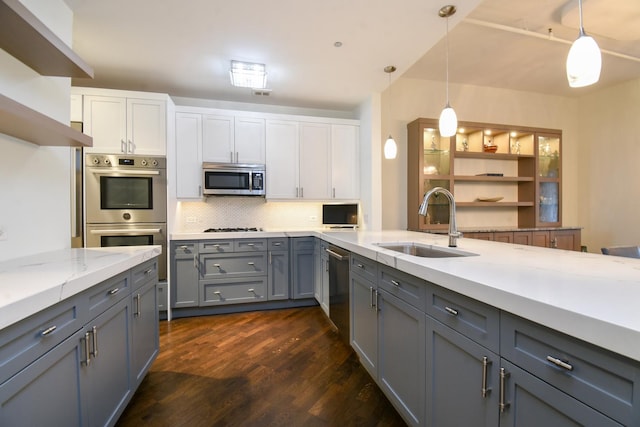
126	161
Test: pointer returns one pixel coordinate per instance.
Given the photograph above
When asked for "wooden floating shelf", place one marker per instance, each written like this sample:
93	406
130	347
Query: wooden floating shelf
494	204
24	123
485	178
25	37
496	156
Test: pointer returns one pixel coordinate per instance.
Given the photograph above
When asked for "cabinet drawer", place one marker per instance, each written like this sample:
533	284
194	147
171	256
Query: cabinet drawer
143	273
278	244
250	245
238	264
601	379
233	291
106	294
365	267
216	246
303	243
477	321
184	250
25	341
405	286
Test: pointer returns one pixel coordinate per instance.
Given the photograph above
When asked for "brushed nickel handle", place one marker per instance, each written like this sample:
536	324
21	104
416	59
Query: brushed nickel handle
217	265
377	300
87	360
137	312
47	331
94	333
195	262
123	146
149	271
503	377
371	301
277	244
359	265
451	311
395	283
560	363
302	192
270	260
114	291
251	244
485	366
251	263
184	247
326	268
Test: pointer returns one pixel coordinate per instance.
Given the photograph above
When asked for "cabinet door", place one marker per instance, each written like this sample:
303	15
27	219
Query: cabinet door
185	274
278	279
105	119
48	392
217	139
144	331
534	403
303	267
108	373
402	356
282	159
364	322
324	301
463	379
540	238
503	236
188	157
315	163
249	140
146	126
317	292
565	239
522	237
345	164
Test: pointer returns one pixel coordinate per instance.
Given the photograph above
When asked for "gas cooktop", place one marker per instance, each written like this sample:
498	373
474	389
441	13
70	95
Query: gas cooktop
231	229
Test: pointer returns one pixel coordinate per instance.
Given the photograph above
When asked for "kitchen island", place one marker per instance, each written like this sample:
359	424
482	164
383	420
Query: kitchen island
78	333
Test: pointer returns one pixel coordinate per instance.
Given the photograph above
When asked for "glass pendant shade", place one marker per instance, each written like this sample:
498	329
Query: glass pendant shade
584	61
390	148
448	124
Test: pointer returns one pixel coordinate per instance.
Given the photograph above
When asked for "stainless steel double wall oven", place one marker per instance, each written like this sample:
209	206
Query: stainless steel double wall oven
126	202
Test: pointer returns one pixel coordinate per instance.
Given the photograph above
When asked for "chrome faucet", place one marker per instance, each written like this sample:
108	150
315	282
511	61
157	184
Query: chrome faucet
453	231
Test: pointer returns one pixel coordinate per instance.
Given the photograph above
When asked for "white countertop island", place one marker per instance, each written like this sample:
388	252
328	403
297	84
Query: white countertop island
592	297
32	283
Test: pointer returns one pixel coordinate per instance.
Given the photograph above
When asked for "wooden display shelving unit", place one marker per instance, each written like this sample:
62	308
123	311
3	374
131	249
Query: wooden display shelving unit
524	171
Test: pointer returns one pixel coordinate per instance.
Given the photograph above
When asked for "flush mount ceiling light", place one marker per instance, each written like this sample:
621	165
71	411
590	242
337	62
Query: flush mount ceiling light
248	74
390	146
448	119
584	60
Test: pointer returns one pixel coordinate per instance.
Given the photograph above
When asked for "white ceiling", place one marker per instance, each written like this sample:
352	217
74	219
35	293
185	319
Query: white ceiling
184	47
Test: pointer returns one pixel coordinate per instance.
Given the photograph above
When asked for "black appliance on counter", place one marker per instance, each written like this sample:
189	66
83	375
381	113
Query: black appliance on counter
340	215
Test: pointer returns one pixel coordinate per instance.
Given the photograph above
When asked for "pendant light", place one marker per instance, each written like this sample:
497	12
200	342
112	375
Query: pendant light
390	146
584	60
448	120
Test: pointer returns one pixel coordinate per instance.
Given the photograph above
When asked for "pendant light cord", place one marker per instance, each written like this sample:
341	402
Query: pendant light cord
582	33
447	61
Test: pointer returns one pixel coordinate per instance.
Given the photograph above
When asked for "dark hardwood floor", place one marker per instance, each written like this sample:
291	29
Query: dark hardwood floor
269	368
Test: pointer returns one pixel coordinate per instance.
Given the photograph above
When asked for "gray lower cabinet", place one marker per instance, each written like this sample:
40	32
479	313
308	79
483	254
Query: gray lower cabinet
185	274
278	274
83	376
364	320
462	380
302	267
321	279
401	356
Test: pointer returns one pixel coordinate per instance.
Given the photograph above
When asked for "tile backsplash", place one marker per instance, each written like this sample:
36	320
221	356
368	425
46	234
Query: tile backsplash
222	212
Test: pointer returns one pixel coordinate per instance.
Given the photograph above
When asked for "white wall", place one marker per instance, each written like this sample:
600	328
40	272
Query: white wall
34	180
411	99
609	157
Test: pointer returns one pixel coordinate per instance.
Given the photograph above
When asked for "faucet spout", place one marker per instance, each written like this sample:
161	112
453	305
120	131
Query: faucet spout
453	230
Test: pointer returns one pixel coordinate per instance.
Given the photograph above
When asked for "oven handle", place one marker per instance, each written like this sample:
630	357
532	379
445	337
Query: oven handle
128	230
125	172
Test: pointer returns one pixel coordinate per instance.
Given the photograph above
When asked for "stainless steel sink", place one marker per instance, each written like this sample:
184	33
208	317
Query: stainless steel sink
424	251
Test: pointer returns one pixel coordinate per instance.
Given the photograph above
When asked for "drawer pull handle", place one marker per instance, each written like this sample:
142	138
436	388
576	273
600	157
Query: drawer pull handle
395	283
277	244
148	272
485	366
451	311
560	363
360	265
503	377
48	331
250	244
251	263
114	291
184	247
217	265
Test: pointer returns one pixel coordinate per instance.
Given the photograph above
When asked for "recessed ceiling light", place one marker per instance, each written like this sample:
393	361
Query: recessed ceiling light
338	44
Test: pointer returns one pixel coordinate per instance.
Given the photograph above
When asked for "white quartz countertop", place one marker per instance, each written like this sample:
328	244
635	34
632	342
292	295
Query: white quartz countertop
32	283
589	296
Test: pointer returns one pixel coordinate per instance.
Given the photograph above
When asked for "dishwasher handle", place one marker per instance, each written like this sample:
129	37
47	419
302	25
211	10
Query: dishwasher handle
336	255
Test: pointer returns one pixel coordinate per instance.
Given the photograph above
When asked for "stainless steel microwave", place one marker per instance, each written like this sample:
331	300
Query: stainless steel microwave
233	179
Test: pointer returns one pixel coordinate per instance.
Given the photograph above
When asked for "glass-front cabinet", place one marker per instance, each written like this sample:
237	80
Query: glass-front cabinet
501	176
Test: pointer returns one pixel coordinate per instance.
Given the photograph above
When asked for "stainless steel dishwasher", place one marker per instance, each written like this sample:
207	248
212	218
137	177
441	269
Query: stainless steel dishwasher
339	290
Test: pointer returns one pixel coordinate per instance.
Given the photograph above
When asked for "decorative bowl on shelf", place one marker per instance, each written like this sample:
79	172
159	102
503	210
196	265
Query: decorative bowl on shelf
490	199
489	148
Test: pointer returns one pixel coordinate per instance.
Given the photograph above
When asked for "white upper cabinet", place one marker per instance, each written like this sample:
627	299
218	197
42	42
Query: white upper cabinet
188	155
282	167
229	139
345	161
119	124
315	161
